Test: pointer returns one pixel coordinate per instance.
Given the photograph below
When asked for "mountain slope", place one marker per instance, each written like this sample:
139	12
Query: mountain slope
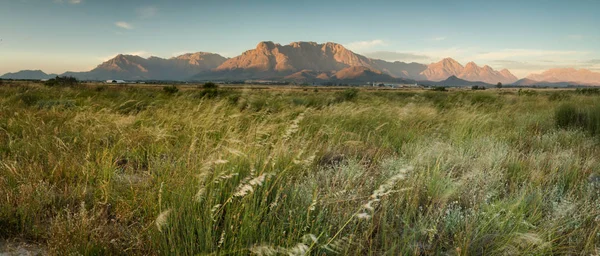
529	82
28	74
274	61
442	70
571	75
471	72
454	81
131	67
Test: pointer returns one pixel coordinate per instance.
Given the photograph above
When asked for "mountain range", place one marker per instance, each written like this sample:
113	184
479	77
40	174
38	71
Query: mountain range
306	62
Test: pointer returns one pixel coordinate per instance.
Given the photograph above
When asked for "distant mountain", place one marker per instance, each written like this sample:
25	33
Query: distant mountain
529	82
471	72
28	74
454	81
571	75
442	70
362	74
131	67
352	75
297	62
400	69
303	60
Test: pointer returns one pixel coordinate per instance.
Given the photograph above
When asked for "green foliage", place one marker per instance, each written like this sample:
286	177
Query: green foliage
347	95
439	89
588	91
171	89
525	92
283	171
584	118
559	96
477	87
209	85
499	85
62	81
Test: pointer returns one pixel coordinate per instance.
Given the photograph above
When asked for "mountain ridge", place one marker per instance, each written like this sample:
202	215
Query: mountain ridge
301	62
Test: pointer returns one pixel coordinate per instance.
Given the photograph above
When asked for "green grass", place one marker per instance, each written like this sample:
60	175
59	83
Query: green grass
105	170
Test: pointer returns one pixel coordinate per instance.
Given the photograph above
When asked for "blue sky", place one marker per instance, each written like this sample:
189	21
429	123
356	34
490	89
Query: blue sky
523	36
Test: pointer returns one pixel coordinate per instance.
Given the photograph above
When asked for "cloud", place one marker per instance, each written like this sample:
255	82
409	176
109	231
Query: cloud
146	12
123	25
575	37
396	56
68	1
515	53
364	45
143	54
441	38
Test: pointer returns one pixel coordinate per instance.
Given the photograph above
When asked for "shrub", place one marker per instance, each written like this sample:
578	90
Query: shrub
29	99
477	87
483	98
588	91
439	89
567	115
570	116
171	89
522	92
62	81
347	95
558	96
209	85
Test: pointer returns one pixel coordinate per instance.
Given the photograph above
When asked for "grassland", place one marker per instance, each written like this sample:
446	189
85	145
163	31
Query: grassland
116	170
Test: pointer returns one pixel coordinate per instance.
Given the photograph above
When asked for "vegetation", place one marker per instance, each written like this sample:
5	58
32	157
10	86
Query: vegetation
477	87
62	81
439	89
126	170
499	85
171	89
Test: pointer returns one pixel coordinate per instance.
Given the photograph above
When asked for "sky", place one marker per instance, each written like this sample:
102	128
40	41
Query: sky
523	36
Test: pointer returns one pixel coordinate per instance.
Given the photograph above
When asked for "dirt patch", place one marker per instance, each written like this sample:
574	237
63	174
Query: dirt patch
20	248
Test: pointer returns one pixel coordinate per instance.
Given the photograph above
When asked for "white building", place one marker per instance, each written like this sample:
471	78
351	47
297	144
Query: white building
115	81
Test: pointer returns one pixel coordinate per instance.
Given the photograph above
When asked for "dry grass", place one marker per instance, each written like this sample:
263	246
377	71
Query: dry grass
272	171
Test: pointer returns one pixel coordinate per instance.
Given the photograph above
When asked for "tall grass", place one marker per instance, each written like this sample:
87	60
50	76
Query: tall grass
139	171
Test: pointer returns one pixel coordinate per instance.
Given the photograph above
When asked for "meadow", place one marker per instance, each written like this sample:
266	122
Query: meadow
96	169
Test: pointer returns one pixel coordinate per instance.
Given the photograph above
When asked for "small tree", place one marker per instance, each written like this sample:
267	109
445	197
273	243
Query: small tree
62	81
171	89
209	85
499	85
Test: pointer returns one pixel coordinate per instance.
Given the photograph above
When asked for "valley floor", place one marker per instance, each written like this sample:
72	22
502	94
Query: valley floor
232	171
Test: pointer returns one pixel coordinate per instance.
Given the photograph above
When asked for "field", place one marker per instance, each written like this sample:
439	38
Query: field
99	170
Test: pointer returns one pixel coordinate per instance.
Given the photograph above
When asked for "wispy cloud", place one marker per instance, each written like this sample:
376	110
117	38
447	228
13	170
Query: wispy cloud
575	37
146	12
123	25
68	1
143	54
364	45
396	56
515	53
440	38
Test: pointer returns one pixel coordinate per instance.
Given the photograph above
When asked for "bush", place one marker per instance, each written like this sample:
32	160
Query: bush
588	91
522	92
558	96
171	89
567	116
347	95
62	81
570	116
477	87
439	89
209	85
